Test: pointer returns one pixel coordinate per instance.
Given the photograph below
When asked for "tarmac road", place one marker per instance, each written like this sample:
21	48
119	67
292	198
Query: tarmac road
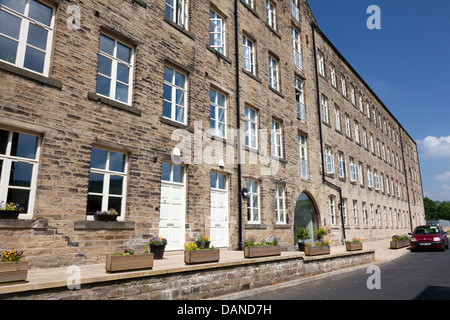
418	275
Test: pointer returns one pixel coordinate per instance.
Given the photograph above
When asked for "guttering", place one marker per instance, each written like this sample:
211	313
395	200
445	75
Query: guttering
324	180
238	117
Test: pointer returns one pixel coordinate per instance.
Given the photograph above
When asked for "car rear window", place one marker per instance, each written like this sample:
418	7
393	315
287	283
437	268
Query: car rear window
426	230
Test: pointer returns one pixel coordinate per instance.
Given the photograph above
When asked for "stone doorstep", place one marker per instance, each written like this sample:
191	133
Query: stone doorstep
172	263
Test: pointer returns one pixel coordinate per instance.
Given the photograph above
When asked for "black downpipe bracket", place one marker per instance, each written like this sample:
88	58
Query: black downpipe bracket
238	117
341	208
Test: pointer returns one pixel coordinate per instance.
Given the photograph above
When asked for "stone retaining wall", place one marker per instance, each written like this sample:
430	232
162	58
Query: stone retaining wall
205	283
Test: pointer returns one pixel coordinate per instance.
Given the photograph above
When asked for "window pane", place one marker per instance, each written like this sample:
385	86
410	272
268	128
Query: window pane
103	85
9	25
115	203
213	180
37	37
34	60
8	50
115	185
104	65
3	141
179	80
167	109
107	45
178	172
165	171
222	181
98	158
116	161
96	182
179	116
123	53
94	204
40	12
17	5
168	75
24	145
20	174
121	92
123	73
21	197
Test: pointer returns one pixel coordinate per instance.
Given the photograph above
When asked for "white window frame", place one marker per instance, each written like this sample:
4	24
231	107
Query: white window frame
5	172
333	75
251	186
273	73
277	139
280	211
300	99
355	212
174	88
348	130
343	86
106	184
325	117
215	17
364	213
271	17
23	36
248	55
337	119
357	132
177	12
369	178
303	155
321	64
295	9
251	125
297	47
217	107
329	161
114	70
341	165
353	171
332	210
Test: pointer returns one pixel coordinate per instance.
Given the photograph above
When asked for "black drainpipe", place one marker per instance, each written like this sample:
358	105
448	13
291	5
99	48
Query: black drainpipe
313	27
238	114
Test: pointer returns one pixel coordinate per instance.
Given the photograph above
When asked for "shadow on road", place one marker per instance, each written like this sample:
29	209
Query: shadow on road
434	293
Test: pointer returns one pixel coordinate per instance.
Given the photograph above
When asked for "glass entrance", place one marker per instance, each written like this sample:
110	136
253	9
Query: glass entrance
305	216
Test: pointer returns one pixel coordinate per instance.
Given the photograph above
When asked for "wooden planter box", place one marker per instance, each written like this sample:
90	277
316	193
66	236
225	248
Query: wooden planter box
201	256
262	251
399	244
353	246
315	251
131	262
13	271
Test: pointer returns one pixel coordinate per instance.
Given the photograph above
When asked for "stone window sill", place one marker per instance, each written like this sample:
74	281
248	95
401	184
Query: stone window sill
116	104
103	225
39	224
31	75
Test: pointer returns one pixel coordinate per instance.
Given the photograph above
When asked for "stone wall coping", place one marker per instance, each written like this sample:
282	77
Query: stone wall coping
99	225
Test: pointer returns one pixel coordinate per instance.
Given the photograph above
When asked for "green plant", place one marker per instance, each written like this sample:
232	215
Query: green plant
303	233
126	252
12	256
271	241
203	239
319	243
191	246
250	242
322	232
400	237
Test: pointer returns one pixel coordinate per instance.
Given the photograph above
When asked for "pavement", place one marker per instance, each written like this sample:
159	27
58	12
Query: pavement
173	262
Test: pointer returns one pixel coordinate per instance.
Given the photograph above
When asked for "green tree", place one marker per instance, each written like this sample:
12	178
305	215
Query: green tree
444	210
431	209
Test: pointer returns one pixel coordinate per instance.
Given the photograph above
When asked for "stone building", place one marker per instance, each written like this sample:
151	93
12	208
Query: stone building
189	118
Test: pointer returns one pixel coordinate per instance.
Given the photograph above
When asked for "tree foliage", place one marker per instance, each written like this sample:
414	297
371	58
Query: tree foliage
435	210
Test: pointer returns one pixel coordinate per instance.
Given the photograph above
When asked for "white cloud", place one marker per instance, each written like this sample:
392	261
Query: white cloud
443	177
435	147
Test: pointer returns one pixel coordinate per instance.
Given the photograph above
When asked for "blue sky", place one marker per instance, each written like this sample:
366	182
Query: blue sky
407	64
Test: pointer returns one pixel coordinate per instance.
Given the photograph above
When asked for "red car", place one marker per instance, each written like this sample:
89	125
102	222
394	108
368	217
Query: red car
429	237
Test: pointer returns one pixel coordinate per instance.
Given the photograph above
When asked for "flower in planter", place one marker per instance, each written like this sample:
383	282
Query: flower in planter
271	241
126	252
319	243
250	242
203	239
12	256
10	206
156	240
400	237
354	240
110	212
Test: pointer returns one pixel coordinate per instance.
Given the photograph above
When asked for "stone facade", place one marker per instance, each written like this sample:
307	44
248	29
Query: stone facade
64	109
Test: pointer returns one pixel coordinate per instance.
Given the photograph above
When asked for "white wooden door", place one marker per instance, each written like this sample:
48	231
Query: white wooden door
173	210
219	211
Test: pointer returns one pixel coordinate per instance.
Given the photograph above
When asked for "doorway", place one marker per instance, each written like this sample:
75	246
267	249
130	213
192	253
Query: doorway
305	216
